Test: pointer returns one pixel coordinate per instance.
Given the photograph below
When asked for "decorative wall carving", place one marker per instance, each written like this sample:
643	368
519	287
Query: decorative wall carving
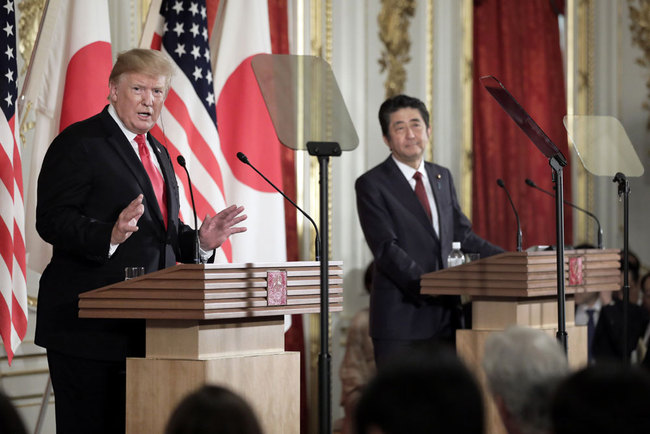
30	19
394	20
640	30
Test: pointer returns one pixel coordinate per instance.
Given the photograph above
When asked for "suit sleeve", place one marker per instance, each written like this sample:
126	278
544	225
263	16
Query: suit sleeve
377	226
64	184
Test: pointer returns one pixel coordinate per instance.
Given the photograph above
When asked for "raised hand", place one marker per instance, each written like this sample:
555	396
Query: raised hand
127	221
215	230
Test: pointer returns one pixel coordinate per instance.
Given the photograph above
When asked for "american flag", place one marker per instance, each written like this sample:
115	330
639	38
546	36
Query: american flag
13	287
188	124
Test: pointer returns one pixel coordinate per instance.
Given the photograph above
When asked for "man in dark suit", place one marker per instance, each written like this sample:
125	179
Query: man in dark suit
409	236
108	199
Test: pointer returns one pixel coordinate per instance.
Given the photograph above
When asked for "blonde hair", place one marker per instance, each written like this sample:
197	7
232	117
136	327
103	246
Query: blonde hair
143	61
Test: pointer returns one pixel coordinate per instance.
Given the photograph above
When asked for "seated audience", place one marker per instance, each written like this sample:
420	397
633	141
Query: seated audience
645	291
424	391
523	366
358	365
213	410
587	308
608	336
605	398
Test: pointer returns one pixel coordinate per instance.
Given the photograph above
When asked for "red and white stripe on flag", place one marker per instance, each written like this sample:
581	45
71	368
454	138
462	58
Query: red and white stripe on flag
67	81
13	287
188	123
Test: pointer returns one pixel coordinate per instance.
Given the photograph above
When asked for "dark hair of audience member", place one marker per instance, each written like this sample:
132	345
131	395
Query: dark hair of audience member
10	421
428	390
213	410
605	398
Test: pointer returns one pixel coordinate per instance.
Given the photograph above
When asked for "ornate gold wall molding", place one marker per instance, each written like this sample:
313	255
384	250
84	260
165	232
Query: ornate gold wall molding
321	37
639	11
580	100
30	19
394	21
467	68
430	74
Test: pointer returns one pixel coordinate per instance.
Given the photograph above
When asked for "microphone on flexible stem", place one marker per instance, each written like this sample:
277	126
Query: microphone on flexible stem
530	183
502	184
244	160
197	251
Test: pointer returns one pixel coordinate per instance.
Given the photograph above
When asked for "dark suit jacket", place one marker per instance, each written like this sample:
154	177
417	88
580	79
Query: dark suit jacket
89	175
608	336
405	246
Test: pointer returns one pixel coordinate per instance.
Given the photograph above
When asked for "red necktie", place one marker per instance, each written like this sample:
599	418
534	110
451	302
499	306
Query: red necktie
421	193
154	175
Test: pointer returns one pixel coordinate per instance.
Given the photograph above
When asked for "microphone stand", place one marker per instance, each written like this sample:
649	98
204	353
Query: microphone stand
557	162
197	250
599	229
323	150
502	184
624	191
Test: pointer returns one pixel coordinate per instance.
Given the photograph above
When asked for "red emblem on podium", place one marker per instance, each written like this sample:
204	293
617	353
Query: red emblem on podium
276	288
575	271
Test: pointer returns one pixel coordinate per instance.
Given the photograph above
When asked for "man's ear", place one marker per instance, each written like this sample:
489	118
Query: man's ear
112	91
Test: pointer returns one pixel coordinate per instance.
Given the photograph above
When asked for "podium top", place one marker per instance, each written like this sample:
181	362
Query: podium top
217	291
527	275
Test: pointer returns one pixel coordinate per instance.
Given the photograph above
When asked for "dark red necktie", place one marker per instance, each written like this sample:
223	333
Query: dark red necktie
421	193
154	175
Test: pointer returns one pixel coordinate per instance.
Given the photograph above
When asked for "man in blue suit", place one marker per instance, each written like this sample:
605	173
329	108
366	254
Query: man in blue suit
410	216
108	199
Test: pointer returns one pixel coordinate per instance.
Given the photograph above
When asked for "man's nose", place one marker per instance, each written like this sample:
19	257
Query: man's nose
147	98
409	132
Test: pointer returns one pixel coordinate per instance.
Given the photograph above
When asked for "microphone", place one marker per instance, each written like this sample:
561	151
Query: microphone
530	183
244	159
502	184
197	250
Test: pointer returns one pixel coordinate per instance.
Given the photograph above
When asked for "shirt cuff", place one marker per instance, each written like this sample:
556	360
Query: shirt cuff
204	255
111	249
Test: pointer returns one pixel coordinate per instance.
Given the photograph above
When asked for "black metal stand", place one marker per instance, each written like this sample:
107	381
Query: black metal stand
324	150
558	179
624	191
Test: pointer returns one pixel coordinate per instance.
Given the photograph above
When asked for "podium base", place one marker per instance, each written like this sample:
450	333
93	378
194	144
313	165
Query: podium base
270	383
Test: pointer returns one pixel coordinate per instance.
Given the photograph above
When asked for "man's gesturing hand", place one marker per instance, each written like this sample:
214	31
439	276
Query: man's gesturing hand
215	230
127	221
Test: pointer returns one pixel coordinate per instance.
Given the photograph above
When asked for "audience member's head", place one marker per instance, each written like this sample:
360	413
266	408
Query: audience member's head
606	398
213	410
425	391
523	366
10	421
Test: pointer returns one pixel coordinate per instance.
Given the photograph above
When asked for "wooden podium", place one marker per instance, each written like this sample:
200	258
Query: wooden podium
220	324
521	288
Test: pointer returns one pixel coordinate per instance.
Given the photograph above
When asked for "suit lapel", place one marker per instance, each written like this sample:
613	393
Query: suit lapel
402	190
124	149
